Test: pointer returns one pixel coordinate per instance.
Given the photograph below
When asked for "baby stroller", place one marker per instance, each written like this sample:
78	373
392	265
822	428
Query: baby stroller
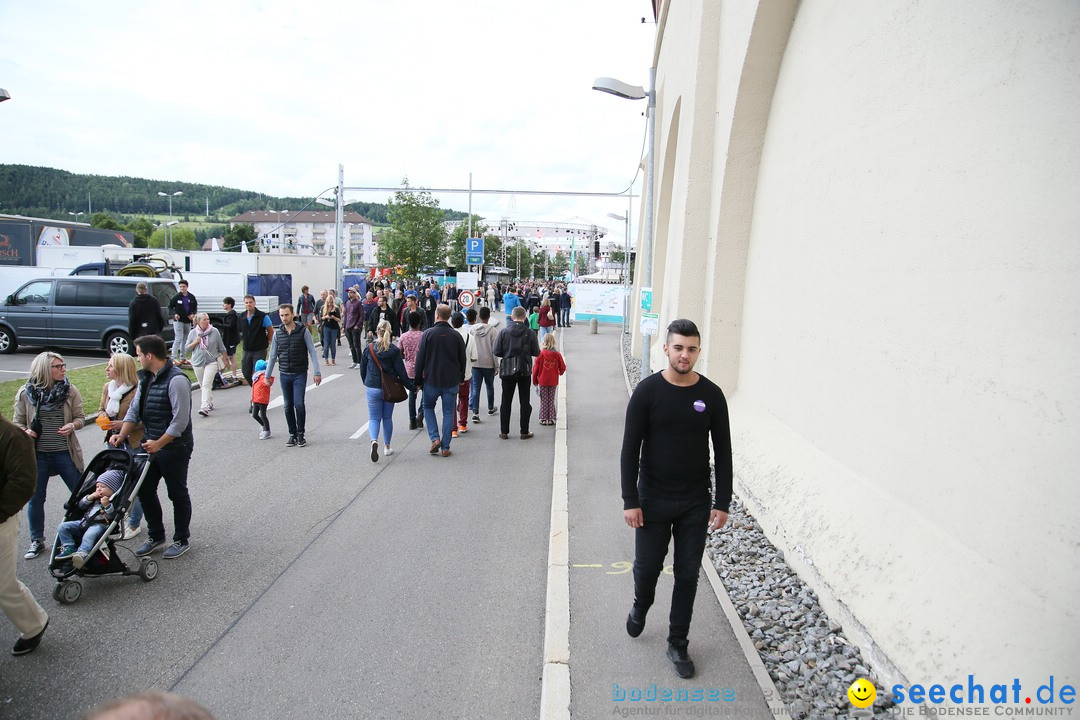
104	557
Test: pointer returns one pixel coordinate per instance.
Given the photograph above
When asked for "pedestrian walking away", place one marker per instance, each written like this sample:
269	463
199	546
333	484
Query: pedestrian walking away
515	347
462	415
382	357
182	310
144	315
49	409
483	370
293	350
545	376
18	472
410	344
205	345
440	370
257	331
666	488
162	403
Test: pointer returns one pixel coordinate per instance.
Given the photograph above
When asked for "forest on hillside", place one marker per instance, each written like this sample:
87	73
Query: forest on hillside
51	193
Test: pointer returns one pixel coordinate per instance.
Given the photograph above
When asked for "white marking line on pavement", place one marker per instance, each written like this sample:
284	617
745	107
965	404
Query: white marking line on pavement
17	372
280	400
555	686
361	431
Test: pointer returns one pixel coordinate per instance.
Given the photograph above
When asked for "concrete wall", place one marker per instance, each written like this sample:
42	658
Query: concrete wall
873	210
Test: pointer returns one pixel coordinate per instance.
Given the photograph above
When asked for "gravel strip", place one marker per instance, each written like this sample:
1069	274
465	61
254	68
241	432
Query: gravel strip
805	652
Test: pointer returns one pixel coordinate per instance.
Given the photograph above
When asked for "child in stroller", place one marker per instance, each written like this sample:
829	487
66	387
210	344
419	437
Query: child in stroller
100	511
85	541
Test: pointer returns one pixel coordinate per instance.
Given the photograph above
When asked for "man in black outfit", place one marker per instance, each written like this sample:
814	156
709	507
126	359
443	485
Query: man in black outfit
256	331
666	481
516	347
144	315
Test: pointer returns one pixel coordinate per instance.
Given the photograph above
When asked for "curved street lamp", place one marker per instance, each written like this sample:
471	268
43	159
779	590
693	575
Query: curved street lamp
636	92
171	223
77	214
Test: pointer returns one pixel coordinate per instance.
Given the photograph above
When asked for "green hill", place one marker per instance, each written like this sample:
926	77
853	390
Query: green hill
51	193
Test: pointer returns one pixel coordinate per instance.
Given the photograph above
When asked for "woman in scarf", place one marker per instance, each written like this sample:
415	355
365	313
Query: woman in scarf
116	397
49	410
204	342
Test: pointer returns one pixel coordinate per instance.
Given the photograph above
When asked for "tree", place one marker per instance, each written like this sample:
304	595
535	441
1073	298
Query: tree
142	229
558	265
456	245
182	238
416	238
240	233
105	221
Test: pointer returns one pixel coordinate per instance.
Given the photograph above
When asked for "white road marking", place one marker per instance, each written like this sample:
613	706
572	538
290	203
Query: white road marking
279	401
361	431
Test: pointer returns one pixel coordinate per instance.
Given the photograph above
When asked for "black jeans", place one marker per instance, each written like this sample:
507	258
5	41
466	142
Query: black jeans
171	463
688	522
509	385
247	364
355	336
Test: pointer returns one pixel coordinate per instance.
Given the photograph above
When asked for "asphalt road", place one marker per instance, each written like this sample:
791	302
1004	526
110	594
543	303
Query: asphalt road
318	582
17	364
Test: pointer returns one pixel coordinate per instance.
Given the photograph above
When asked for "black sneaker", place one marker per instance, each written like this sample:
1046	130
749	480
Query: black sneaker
28	645
493	410
148	547
374	451
291	442
635	621
301	441
35	549
684	666
476	416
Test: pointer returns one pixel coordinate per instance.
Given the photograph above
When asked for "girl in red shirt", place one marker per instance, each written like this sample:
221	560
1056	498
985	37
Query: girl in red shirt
545	375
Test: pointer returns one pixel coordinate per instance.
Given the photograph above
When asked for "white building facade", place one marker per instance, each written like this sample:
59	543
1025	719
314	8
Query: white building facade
872	212
311	232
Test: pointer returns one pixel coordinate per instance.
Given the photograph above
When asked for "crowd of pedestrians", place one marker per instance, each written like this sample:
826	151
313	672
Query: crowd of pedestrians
418	335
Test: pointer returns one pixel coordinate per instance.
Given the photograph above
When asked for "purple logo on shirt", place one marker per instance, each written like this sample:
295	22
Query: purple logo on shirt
699	405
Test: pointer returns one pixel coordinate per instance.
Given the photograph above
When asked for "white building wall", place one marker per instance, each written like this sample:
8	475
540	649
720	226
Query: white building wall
893	308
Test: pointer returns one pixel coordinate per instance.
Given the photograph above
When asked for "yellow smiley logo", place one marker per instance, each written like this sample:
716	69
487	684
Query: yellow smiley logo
862	693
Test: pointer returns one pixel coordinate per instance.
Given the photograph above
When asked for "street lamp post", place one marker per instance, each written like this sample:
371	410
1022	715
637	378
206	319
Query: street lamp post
636	92
76	214
171	223
625	264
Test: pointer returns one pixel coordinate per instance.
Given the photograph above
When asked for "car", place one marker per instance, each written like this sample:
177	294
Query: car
77	312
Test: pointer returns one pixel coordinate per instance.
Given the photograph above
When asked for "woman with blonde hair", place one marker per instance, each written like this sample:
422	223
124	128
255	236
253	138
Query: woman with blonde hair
116	397
49	409
382	356
331	329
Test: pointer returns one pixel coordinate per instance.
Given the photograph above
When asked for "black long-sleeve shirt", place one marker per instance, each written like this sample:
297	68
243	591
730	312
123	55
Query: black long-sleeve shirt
665	452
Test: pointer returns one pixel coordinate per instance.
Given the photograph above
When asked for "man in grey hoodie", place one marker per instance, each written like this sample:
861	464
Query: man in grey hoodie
483	368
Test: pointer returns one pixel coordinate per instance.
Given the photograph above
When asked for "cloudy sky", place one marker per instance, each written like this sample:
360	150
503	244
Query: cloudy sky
271	96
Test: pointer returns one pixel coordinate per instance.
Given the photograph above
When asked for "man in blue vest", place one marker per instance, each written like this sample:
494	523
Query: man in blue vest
162	403
291	350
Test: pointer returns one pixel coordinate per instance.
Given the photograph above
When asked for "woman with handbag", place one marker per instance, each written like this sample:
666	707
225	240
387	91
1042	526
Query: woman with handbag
49	409
385	379
116	397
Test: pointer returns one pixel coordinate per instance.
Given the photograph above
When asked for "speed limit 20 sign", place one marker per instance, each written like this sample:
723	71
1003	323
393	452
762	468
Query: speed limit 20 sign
466	298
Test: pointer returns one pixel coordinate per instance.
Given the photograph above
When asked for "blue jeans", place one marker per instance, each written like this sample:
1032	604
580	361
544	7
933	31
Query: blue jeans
180	333
329	343
293	388
380	414
49	464
135	514
70	531
544	332
449	398
486	375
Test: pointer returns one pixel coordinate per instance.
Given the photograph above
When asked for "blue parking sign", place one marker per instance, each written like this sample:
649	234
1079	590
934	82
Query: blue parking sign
474	251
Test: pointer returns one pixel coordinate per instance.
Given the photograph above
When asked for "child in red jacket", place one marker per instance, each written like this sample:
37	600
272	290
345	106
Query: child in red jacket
260	398
545	375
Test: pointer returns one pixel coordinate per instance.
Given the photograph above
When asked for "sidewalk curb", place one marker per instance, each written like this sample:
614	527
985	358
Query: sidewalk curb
555	685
